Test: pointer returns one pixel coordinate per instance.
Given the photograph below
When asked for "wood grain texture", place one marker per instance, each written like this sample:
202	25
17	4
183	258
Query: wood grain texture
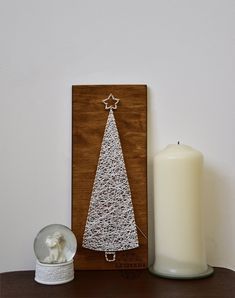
88	122
119	284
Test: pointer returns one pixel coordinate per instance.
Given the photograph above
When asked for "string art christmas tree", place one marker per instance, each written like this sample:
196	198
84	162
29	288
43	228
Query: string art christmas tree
110	225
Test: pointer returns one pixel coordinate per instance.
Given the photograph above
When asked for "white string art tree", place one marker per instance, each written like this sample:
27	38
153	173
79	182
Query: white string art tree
110	225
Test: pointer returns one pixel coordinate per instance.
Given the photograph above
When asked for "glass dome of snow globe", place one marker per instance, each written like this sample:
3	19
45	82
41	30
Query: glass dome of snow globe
55	244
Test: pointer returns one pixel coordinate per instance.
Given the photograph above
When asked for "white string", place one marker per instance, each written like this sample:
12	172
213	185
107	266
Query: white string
110	224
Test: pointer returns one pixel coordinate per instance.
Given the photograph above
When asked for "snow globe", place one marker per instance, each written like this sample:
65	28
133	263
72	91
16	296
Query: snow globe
54	247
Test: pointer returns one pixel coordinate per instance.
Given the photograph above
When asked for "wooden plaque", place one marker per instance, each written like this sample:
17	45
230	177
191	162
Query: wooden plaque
88	123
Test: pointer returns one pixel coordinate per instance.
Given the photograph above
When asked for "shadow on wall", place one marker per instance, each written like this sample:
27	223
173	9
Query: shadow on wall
215	190
150	138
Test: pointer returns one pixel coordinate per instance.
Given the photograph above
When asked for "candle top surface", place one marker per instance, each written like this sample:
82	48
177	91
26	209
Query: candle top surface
173	151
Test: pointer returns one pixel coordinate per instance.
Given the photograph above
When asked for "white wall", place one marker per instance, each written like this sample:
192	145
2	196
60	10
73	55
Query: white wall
183	50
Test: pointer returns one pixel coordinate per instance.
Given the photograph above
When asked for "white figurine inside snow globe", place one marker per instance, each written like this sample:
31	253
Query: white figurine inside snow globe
55	246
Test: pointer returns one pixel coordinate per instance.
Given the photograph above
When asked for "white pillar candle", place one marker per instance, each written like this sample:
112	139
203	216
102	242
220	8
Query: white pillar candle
179	245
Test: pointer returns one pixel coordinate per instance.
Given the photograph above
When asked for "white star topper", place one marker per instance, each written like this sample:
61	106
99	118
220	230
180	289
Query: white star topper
109	99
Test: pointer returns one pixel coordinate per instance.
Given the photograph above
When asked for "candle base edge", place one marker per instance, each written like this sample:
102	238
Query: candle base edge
207	273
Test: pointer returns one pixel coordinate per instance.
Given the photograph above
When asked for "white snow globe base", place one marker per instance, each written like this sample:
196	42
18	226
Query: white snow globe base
54	274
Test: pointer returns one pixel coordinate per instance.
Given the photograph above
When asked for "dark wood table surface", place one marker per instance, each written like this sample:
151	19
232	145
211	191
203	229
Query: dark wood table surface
129	283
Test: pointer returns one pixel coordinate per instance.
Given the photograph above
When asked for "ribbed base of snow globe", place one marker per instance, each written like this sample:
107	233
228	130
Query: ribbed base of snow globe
54	274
